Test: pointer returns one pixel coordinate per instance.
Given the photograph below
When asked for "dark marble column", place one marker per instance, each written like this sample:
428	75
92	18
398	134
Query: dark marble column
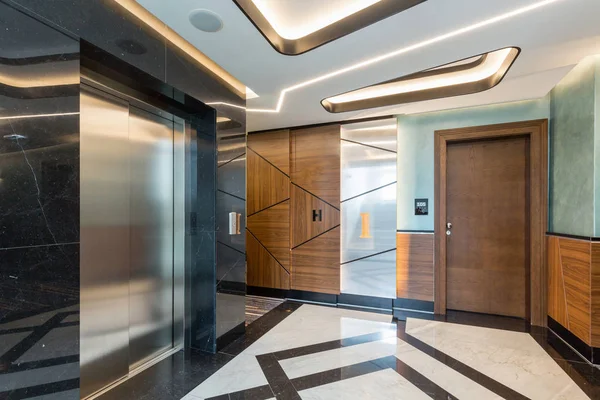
39	209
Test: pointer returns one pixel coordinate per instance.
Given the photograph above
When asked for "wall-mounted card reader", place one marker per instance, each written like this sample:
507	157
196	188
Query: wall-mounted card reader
234	223
421	206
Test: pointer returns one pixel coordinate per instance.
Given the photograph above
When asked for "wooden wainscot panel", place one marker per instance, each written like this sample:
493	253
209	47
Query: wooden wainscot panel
414	266
576	263
263	269
595	290
266	184
316	264
557	302
315	161
272	228
274	147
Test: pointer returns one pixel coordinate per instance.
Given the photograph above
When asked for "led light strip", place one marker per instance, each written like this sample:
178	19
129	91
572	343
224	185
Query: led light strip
404	50
38	116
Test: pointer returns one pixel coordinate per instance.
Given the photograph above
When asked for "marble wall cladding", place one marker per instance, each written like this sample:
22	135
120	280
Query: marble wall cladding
203	275
231	249
415	149
39	209
106	25
572	140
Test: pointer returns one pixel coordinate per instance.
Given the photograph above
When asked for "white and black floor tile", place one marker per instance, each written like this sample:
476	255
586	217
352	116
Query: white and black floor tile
330	353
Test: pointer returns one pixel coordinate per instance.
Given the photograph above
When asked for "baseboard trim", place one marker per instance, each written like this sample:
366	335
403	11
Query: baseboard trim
589	353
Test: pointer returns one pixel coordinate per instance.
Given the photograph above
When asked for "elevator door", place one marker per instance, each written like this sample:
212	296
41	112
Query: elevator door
151	236
127	249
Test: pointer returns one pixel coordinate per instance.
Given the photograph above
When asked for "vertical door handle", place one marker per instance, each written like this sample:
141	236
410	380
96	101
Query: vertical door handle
234	223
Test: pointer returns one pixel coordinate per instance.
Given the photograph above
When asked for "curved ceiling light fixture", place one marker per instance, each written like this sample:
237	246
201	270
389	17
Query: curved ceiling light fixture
395	53
471	75
281	23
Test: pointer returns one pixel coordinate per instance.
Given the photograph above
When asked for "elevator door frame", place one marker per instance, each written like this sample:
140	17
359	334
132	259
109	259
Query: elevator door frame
100	86
537	131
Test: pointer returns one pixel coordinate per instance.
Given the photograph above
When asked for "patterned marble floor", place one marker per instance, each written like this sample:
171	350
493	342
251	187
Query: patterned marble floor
319	353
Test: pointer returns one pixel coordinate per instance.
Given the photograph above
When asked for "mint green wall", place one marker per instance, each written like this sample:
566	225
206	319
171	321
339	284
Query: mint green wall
415	149
574	152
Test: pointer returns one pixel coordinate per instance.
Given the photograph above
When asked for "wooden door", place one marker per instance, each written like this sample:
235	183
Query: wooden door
487	200
315	209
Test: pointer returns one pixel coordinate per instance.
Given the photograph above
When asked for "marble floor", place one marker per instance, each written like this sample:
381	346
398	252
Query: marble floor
318	353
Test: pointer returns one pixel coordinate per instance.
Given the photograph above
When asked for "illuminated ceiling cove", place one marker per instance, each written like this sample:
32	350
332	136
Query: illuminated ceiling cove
294	27
553	35
472	75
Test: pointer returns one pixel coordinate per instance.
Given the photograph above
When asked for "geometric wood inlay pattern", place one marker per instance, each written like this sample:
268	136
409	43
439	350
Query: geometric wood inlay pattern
569	285
267	272
414	266
266	184
272	228
274	147
315	161
316	264
304	226
557	302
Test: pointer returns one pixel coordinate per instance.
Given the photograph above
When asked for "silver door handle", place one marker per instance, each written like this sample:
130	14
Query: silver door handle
235	220
449	225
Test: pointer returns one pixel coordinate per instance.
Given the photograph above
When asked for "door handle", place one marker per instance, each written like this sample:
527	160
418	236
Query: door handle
235	221
449	228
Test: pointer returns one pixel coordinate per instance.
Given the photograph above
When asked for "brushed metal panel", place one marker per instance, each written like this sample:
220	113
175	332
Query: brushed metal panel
151	216
382	133
104	240
364	169
373	276
381	208
179	212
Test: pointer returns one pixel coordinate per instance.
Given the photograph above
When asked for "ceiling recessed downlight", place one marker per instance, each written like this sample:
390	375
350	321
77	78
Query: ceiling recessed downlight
473	75
206	21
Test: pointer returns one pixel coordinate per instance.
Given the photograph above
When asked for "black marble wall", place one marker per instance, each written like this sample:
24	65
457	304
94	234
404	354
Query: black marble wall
39	209
39	181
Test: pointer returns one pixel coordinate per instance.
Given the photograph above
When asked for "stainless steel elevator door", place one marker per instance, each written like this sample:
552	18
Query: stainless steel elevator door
105	235
151	236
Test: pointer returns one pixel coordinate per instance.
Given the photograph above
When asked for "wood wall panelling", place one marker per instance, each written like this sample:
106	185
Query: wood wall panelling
557	302
273	146
570	275
576	263
414	266
316	264
315	161
265	270
595	294
303	205
272	228
266	185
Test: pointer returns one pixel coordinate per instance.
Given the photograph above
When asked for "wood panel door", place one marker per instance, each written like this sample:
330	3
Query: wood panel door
315	209
487	203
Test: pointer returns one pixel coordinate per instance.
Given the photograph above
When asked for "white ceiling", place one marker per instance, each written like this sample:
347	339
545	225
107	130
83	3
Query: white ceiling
553	39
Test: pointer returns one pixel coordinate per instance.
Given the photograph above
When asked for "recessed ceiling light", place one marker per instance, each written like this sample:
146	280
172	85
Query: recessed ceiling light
206	21
477	74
